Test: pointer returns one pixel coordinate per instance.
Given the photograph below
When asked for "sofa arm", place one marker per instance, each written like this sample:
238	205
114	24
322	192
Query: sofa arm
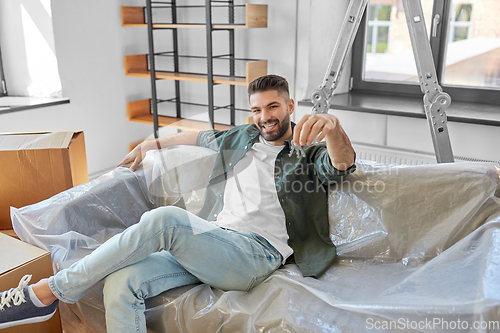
409	213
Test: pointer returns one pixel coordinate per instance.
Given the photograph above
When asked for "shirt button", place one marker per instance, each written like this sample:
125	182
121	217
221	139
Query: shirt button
215	215
246	147
282	200
230	164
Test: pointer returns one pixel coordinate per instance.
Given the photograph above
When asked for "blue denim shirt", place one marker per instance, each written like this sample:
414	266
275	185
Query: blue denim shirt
301	185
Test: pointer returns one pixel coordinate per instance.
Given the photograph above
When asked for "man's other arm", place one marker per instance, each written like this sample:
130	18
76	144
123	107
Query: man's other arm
135	157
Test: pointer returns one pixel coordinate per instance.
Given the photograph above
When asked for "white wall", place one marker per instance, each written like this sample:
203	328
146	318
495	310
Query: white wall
323	28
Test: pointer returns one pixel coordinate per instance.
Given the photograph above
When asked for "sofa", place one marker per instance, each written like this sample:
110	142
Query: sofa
418	250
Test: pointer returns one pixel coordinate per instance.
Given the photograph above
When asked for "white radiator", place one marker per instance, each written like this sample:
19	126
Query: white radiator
399	156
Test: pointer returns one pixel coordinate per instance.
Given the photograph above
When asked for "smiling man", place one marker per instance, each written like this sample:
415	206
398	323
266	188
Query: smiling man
272	106
263	207
280	105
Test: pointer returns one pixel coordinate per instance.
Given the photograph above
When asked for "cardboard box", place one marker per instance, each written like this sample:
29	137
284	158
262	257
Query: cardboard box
10	232
36	166
18	259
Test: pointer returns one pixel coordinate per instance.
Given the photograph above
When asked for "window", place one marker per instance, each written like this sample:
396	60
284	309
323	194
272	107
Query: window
465	45
28	63
28	49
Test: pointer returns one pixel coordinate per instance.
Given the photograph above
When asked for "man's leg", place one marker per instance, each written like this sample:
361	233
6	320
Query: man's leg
126	290
221	258
224	259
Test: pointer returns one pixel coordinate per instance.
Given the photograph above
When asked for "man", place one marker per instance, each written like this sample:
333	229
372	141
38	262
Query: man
263	206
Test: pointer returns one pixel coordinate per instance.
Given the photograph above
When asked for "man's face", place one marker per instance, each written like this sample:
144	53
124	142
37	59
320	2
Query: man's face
271	113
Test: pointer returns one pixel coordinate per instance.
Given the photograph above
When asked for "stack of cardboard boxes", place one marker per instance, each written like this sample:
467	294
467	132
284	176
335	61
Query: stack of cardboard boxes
34	167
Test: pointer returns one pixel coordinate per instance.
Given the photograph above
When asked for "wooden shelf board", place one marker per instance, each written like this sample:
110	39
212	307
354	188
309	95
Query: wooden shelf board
184	124
134	25
189	77
180	25
137	66
255	17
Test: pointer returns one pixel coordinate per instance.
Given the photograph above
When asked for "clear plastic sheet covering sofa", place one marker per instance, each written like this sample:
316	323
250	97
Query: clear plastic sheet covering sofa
419	251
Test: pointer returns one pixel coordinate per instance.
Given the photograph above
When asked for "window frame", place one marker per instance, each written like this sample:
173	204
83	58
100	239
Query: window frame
438	46
3	84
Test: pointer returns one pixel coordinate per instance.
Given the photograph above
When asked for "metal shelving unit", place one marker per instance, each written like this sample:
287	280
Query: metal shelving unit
147	65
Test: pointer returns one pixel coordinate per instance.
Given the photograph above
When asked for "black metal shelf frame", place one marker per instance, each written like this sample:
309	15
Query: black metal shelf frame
173	100
227	4
172	54
209	57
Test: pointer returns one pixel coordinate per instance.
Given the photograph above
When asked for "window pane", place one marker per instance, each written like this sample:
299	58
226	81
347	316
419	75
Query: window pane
382	39
388	52
384	13
472	55
369	39
460	33
463	12
372	11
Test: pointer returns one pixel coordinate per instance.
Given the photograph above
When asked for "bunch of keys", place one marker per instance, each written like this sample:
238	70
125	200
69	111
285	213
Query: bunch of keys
297	149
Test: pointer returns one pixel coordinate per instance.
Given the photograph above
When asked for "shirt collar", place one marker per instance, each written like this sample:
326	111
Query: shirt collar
288	143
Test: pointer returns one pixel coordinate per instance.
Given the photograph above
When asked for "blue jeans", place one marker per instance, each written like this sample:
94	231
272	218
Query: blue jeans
168	248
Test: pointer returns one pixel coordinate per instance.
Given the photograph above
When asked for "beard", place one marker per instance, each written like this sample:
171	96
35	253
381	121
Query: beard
278	133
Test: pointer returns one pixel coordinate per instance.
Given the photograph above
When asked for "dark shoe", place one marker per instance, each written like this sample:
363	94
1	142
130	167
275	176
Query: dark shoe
16	307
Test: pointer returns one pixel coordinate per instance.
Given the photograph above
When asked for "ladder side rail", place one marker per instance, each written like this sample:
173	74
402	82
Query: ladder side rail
436	102
352	20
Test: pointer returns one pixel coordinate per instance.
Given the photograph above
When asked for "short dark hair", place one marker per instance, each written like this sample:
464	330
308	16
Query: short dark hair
269	82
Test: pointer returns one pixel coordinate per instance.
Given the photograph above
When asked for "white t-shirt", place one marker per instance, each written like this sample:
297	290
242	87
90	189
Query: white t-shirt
250	199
